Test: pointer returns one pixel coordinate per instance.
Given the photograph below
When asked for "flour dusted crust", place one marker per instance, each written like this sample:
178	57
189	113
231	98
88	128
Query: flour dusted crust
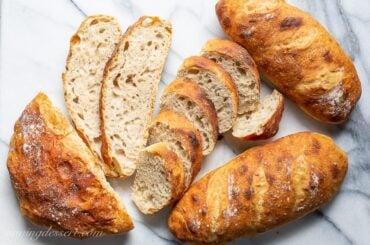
57	179
296	54
260	189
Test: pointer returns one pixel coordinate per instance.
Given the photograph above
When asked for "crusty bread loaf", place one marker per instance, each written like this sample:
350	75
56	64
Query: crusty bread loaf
263	122
56	177
217	84
296	54
260	189
90	48
188	99
129	91
159	179
241	67
183	139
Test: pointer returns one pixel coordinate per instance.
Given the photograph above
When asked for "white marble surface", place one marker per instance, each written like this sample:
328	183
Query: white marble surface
34	41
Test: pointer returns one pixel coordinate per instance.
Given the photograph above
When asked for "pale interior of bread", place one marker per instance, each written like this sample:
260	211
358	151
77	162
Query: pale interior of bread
161	132
184	106
131	91
245	81
151	188
91	48
216	92
254	122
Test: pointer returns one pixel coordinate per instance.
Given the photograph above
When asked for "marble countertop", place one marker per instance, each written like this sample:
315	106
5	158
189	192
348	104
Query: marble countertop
34	39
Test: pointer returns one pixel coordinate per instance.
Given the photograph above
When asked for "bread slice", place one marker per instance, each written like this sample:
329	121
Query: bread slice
263	123
241	67
57	178
129	91
188	99
218	85
159	179
90	49
183	139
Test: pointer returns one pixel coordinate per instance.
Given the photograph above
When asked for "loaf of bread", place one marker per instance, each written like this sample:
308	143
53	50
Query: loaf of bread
90	49
159	179
129	91
296	54
241	67
183	139
57	178
263	122
262	188
187	98
218	85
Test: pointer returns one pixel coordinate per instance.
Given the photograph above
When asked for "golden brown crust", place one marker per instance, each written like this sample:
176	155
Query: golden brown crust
185	130
106	146
189	89
174	169
56	177
262	188
296	54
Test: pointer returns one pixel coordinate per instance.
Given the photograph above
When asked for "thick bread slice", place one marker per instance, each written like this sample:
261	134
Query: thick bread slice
188	99
181	136
217	84
56	177
159	179
129	90
90	49
241	67
263	123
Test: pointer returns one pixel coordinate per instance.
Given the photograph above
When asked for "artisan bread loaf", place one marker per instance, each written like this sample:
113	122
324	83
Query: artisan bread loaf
183	139
260	189
159	179
296	54
188	99
90	48
129	90
263	122
57	179
241	67
217	84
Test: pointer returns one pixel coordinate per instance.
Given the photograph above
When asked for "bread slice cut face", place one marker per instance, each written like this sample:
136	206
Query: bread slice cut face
217	84
58	181
90	49
129	91
159	179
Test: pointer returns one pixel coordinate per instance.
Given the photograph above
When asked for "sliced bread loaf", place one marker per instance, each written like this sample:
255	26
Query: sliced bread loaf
90	49
129	90
217	84
241	67
181	136
263	122
188	99
159	179
57	179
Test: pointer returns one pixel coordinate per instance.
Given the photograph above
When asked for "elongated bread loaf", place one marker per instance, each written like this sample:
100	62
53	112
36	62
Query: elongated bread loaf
159	180
129	91
260	189
241	67
90	49
217	84
296	54
56	177
181	136
188	99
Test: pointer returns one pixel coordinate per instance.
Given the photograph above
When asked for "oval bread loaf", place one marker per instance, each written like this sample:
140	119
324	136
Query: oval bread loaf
218	85
296	54
188	99
181	136
262	188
